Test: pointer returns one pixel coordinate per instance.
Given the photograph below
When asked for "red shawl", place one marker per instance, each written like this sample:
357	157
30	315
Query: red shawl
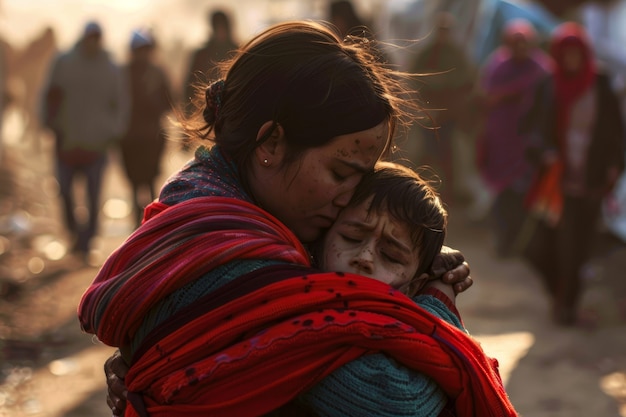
172	250
257	342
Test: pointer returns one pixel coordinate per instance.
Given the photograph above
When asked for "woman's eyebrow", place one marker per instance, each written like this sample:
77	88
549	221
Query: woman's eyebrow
357	167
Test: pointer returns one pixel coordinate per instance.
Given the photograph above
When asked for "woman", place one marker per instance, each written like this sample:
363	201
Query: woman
579	120
297	120
509	82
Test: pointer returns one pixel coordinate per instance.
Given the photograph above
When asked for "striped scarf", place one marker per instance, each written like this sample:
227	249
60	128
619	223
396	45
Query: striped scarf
173	249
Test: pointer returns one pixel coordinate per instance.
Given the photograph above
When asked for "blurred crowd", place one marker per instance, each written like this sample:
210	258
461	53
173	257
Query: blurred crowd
530	141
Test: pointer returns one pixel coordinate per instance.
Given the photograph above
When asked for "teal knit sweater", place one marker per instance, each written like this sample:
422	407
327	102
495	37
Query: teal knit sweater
377	385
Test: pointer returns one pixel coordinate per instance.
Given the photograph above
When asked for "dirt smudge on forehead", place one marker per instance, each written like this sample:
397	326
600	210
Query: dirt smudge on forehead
362	146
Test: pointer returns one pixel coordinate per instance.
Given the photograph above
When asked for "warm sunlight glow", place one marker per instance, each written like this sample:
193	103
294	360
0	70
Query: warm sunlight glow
51	386
614	385
508	349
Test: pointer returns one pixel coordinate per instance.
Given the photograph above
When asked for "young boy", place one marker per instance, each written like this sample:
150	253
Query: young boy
391	230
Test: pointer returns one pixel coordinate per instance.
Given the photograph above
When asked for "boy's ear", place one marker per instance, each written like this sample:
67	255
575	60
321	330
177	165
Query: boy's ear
272	150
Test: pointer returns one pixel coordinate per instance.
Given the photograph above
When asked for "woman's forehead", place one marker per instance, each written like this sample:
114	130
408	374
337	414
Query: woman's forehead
364	148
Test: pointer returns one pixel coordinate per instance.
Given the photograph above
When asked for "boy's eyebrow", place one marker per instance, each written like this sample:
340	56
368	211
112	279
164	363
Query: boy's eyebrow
389	238
398	244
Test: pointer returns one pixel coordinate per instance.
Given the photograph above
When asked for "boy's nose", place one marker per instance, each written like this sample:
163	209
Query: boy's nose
364	261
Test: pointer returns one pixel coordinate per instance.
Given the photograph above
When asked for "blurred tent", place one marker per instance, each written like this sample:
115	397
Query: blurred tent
479	22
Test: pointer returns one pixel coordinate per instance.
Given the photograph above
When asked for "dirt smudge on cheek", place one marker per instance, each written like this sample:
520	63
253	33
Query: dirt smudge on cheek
343	153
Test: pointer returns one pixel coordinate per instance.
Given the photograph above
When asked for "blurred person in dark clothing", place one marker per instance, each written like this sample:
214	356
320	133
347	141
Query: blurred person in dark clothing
347	21
343	15
143	143
203	65
508	84
85	107
444	90
580	150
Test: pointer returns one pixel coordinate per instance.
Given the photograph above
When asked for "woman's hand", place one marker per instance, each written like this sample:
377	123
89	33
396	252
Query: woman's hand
450	267
115	369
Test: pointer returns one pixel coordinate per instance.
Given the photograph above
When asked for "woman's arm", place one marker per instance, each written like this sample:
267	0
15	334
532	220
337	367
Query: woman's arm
115	369
450	267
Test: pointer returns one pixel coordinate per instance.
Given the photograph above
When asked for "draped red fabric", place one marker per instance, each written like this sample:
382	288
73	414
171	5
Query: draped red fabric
169	251
255	343
544	199
296	332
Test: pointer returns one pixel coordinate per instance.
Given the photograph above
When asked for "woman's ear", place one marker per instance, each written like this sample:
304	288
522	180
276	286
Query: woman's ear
272	150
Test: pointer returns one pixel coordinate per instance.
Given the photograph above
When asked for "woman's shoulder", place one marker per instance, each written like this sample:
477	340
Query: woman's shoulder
208	174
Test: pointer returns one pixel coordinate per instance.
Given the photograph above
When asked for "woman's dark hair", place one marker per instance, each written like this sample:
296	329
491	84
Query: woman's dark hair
303	77
408	198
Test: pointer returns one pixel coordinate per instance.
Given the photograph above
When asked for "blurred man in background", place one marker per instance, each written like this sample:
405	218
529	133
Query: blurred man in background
85	107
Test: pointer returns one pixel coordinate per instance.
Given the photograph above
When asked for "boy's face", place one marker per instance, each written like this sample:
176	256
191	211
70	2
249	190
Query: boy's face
374	245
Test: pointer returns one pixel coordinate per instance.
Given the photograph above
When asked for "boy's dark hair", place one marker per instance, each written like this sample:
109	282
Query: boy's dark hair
409	199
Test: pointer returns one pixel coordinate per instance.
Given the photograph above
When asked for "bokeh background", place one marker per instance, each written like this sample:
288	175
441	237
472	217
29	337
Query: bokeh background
49	368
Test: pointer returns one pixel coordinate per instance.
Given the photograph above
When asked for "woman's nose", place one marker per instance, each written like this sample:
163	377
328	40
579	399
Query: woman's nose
343	199
346	191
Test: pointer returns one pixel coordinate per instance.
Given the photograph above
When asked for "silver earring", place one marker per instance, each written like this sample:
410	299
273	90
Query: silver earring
266	162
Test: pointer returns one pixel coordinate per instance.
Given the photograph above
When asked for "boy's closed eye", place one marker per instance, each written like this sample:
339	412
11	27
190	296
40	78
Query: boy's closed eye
393	258
350	239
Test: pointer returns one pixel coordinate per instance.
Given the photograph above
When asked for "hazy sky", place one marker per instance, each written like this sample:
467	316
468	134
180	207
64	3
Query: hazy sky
20	20
173	20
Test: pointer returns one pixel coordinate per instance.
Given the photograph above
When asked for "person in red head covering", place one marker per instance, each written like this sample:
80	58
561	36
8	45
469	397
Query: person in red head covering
581	153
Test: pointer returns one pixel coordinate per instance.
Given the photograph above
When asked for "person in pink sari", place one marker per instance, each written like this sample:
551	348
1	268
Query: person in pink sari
509	80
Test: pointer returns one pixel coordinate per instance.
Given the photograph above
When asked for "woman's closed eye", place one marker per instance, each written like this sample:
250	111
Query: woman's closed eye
350	239
346	173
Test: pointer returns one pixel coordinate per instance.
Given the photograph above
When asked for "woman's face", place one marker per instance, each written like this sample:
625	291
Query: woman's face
308	194
374	245
520	48
572	58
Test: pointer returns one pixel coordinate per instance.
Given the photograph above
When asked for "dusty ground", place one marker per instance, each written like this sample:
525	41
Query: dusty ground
49	368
